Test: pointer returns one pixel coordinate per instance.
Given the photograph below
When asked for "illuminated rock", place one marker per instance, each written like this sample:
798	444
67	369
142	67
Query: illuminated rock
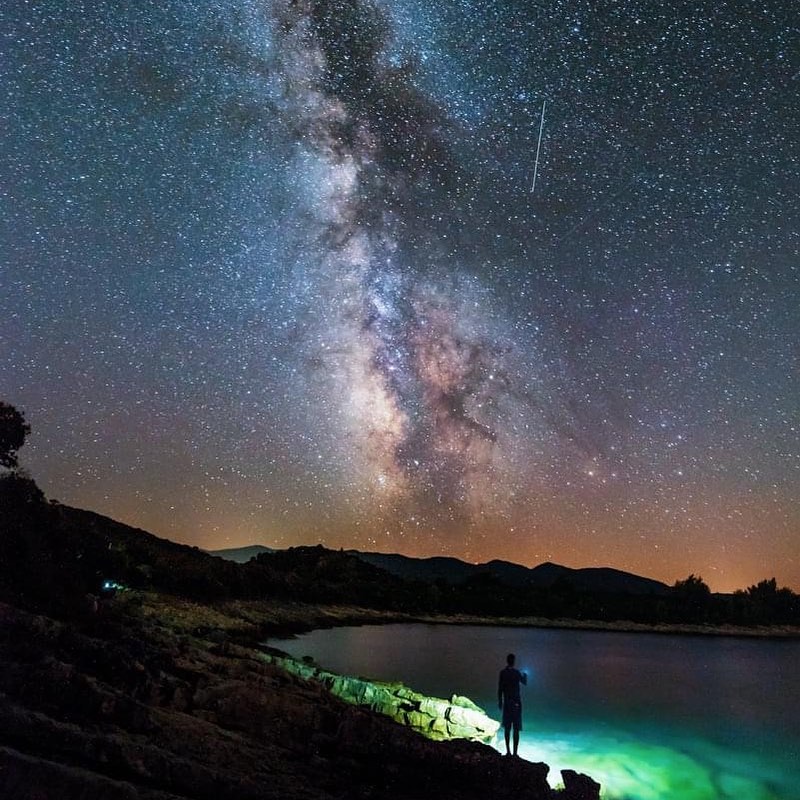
434	717
438	729
464	702
466	717
433	706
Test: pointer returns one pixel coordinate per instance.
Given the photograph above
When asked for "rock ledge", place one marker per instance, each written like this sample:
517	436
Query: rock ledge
433	717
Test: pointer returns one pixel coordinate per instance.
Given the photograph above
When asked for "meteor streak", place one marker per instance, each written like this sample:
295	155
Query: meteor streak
538	148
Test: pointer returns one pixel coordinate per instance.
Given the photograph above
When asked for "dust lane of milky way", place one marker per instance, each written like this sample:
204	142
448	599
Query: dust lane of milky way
273	272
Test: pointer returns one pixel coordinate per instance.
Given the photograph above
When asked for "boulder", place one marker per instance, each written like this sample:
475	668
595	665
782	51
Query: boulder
578	786
466	717
464	702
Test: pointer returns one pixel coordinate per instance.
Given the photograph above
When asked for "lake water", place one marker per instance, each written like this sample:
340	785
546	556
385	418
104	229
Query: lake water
649	716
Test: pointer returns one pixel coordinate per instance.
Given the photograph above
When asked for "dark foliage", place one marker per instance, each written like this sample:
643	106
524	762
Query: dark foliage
13	430
691	600
19	490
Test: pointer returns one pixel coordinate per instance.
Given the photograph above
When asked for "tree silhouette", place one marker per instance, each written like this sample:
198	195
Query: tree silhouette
693	587
767	603
693	597
13	430
764	590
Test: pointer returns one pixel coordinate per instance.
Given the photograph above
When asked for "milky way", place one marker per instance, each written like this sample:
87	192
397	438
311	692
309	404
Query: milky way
272	271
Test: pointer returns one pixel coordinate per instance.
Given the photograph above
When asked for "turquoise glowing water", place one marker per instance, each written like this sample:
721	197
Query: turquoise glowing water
649	716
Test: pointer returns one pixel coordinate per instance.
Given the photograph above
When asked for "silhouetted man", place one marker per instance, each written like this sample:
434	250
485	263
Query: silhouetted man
510	702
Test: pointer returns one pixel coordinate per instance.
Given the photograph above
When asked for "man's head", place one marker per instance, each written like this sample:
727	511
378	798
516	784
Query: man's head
510	659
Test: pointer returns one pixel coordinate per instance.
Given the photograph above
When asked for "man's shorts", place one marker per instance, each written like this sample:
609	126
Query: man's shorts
512	716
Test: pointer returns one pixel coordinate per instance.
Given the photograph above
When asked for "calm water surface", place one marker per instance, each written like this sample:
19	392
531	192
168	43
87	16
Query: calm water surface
649	716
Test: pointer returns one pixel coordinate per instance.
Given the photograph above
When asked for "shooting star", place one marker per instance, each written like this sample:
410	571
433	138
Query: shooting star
538	148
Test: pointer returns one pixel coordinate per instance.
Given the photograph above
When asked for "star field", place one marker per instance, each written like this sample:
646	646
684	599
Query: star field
272	272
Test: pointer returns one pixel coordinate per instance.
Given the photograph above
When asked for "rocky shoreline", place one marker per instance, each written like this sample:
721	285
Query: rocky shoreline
432	717
286	619
161	699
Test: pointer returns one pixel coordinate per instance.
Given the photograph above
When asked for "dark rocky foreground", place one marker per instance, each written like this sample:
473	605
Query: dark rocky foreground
140	700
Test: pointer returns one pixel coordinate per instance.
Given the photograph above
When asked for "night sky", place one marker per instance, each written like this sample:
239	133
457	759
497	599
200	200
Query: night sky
273	272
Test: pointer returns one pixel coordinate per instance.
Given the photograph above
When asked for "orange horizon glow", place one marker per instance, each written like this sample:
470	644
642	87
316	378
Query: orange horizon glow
725	567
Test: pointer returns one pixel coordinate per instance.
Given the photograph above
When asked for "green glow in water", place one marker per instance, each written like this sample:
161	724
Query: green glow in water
649	717
629	769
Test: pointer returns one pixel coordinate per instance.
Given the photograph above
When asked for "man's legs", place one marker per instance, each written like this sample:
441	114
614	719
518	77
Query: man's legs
516	738
507	731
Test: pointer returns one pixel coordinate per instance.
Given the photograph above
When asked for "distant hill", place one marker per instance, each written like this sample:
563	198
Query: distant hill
241	555
453	571
53	556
